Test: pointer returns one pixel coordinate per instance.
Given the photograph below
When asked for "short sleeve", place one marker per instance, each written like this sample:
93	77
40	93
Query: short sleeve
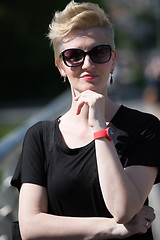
145	150
30	167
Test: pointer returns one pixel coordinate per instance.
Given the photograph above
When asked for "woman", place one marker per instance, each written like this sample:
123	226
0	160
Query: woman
104	160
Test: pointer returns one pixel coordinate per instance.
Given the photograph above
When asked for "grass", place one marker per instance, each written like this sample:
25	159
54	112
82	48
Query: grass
5	129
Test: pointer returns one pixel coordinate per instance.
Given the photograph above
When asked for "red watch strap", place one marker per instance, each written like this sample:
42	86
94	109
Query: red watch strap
100	134
107	133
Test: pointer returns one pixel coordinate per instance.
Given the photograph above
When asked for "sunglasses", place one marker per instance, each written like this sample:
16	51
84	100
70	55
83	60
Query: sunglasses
75	57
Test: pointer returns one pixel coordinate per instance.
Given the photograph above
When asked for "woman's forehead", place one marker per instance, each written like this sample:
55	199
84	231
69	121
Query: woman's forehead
84	38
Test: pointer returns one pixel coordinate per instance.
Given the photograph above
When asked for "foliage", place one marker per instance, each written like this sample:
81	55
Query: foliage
5	129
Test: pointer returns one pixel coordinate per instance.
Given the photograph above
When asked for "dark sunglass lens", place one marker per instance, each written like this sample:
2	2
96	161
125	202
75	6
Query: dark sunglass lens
101	54
73	57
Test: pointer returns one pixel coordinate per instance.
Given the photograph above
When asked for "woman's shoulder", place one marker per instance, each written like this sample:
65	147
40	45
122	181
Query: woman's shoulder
40	129
35	129
137	115
129	118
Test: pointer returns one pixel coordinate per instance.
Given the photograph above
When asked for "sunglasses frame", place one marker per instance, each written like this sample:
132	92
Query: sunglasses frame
86	53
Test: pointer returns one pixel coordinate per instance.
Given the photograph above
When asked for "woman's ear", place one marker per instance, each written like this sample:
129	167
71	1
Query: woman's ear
114	57
60	68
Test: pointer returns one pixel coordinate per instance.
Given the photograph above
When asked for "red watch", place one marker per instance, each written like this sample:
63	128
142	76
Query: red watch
107	133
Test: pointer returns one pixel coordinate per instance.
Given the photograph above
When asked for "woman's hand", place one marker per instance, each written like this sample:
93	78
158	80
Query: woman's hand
96	108
140	223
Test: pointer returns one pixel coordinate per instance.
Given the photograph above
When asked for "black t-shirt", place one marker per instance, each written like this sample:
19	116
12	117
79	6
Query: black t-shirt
72	179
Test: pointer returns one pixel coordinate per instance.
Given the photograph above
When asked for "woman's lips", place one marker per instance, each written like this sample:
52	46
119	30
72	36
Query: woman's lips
89	76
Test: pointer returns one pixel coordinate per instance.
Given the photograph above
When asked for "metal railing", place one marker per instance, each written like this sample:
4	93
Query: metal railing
10	147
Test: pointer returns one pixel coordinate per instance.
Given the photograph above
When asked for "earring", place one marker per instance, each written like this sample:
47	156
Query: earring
65	82
111	78
64	79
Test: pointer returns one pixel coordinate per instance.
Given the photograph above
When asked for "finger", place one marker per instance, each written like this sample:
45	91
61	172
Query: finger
147	224
143	230
87	93
82	100
79	104
79	107
150	216
77	97
83	94
147	208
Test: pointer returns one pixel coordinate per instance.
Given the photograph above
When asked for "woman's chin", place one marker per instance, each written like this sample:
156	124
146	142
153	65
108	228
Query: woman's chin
91	87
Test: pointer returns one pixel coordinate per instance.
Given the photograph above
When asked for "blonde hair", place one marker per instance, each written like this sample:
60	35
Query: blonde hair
78	16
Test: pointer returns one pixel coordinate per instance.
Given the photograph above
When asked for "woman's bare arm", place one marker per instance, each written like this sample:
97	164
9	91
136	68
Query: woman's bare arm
124	190
35	223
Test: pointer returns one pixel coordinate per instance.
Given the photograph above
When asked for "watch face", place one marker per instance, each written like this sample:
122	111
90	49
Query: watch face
111	133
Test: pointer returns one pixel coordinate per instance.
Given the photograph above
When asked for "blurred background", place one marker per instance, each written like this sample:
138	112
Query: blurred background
31	86
29	78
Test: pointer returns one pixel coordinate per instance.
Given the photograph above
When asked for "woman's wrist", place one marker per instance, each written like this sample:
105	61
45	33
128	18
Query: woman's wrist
107	228
105	133
98	127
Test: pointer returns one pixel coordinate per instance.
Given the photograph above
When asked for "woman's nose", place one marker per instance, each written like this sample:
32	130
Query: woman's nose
88	63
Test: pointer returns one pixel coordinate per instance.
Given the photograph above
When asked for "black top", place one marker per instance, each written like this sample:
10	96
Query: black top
72	180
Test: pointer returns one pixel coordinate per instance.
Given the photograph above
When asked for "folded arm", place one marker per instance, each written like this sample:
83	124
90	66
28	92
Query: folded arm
124	190
35	223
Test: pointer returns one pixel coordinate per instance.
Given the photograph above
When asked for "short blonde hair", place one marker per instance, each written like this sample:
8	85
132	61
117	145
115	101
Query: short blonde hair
78	16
